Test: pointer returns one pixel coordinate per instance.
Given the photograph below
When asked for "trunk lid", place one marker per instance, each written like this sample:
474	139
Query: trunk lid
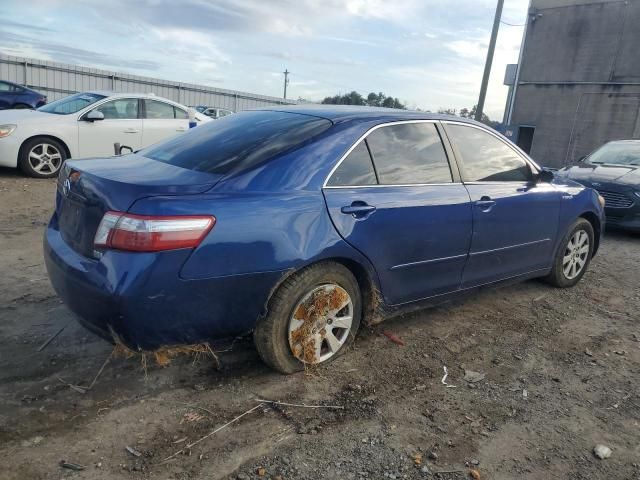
89	188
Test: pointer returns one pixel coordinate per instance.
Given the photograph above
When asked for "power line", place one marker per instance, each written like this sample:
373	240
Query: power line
513	24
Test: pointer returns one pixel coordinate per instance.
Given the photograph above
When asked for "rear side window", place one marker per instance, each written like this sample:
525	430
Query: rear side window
355	169
179	113
409	153
238	142
486	158
158	110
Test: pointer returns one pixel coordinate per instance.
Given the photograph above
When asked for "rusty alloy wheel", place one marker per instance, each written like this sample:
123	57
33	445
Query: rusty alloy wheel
320	324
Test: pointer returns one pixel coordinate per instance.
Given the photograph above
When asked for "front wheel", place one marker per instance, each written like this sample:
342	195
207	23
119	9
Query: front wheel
41	157
573	256
311	318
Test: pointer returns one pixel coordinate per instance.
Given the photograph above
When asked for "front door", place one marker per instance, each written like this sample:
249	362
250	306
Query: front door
515	217
406	212
120	125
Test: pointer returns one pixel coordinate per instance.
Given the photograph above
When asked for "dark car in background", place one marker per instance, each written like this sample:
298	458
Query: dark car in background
13	95
614	171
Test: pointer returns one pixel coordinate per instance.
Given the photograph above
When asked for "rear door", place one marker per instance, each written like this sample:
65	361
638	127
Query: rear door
122	124
161	121
396	198
515	217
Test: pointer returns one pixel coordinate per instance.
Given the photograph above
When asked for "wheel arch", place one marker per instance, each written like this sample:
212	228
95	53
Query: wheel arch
50	137
593	219
372	299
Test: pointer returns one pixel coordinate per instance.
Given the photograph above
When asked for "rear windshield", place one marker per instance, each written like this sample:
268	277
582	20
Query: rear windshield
237	142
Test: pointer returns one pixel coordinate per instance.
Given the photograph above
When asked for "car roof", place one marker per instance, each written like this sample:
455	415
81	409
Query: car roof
341	113
108	93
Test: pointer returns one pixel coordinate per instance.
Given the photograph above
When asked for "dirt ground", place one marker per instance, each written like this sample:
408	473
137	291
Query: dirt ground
562	370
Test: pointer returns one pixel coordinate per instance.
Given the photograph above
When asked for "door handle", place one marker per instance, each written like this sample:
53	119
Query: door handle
358	209
131	130
485	203
181	129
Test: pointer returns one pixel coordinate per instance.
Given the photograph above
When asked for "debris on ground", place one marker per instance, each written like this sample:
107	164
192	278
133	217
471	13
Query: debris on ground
473	377
588	352
475	474
71	466
52	337
394	338
133	451
444	378
602	451
417	458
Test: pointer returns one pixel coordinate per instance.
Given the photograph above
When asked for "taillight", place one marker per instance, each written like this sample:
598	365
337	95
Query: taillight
146	233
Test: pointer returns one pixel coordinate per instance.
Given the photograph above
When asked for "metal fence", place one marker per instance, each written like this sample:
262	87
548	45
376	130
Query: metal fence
57	80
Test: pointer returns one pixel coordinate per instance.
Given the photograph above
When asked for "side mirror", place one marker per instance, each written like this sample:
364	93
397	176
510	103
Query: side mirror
94	115
545	176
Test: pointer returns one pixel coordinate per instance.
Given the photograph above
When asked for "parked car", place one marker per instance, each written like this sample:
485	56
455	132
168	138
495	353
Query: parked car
216	113
86	125
614	171
301	222
13	95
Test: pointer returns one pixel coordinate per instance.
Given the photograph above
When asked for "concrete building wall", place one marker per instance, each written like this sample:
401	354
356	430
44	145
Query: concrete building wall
57	80
579	82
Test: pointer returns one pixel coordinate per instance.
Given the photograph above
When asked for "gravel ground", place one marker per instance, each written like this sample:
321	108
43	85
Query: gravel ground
560	368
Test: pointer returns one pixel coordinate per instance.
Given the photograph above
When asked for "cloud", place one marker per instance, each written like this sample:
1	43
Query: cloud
26	45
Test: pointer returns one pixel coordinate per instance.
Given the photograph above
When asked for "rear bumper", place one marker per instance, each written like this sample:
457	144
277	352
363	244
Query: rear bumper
140	297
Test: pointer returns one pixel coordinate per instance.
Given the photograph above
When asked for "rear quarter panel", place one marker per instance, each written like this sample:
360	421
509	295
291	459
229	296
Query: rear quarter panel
257	232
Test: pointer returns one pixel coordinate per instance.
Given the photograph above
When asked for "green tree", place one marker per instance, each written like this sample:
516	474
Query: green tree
372	100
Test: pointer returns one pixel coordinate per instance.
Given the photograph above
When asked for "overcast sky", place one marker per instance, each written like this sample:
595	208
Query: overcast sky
428	53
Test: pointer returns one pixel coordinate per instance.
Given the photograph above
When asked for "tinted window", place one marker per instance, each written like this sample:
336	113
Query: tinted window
179	113
237	142
224	113
487	158
7	87
123	108
409	153
356	169
158	110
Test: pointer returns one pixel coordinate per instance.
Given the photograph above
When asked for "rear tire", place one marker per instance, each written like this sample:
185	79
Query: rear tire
573	255
301	314
41	157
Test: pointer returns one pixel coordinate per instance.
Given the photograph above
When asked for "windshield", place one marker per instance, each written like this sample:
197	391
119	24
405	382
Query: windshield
71	104
617	153
238	142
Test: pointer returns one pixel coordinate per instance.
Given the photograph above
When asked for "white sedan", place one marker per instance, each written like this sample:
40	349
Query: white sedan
86	125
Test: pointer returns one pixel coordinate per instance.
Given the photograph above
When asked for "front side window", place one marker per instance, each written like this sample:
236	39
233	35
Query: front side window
159	110
71	104
410	153
120	109
355	169
486	158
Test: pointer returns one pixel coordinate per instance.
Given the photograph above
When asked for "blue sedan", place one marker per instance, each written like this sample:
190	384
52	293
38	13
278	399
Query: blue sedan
300	223
13	95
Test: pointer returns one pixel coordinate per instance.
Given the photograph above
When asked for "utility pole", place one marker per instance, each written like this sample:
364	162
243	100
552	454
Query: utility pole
286	81
487	65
